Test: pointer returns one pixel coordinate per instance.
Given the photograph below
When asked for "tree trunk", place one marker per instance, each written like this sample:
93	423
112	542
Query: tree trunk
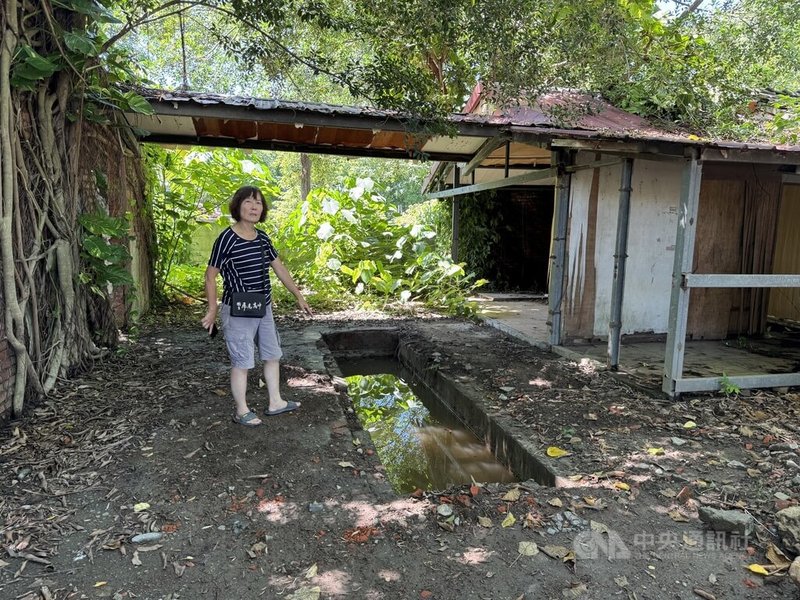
305	176
45	295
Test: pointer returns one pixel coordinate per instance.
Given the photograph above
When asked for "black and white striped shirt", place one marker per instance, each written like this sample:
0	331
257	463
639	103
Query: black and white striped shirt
239	262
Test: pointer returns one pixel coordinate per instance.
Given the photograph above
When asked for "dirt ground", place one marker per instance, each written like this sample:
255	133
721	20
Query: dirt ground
299	508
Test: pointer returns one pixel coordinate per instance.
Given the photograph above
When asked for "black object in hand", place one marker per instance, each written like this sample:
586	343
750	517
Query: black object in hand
214	331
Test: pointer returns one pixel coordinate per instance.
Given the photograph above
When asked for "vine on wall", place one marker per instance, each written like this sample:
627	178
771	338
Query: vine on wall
480	230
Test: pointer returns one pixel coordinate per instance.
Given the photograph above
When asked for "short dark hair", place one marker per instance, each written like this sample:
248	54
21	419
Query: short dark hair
242	194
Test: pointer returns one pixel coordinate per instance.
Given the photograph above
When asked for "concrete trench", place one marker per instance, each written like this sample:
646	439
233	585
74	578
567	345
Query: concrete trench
466	402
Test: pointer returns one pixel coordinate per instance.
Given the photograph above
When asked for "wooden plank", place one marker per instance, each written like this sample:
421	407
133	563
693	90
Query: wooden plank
785	303
717	280
580	322
485	150
717	250
491	185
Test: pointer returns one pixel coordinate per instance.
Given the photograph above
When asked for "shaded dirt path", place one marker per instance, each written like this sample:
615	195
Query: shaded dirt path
145	444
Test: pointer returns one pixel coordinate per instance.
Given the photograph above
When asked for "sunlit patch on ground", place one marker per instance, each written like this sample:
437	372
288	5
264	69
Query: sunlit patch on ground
398	511
475	556
334	582
389	576
539	382
277	510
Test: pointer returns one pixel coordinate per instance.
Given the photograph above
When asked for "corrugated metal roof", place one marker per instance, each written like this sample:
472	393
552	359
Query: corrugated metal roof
214	119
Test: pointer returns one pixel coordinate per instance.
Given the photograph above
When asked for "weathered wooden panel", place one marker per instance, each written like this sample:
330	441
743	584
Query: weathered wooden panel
582	229
717	250
652	226
735	234
784	303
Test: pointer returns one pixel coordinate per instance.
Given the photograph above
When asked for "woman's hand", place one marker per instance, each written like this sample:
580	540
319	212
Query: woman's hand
304	307
209	319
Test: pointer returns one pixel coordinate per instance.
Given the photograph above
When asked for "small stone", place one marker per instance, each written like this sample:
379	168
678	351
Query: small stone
732	521
316	507
676	441
507	389
788	523
735	464
712	579
147	538
782	496
791	463
783	447
444	510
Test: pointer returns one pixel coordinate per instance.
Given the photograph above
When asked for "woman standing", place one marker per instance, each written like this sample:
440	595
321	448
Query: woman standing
243	255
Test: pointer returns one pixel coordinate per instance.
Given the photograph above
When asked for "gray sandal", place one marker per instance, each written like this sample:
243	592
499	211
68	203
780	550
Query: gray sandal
246	419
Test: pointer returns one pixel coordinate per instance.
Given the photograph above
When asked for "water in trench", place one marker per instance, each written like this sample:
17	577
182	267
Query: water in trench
420	443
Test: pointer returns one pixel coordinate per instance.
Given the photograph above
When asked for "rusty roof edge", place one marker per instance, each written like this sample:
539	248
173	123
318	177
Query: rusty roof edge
466	124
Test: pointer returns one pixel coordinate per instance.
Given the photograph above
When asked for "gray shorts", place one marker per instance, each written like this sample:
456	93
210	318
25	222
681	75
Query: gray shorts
241	334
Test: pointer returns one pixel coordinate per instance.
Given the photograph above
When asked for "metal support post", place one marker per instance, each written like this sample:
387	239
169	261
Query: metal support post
620	256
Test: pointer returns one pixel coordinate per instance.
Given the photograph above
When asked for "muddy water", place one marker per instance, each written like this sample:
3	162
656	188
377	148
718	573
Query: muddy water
420	444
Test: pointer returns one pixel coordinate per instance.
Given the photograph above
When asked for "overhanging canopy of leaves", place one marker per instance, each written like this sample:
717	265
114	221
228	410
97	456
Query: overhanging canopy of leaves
425	56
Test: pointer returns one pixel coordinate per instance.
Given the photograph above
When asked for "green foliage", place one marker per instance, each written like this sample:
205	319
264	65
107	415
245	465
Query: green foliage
350	243
105	262
727	387
480	231
100	68
188	279
188	190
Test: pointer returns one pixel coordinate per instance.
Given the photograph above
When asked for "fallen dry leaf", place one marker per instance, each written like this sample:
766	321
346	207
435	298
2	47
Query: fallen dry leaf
777	557
756	568
512	495
555	502
509	520
598	527
306	593
556	452
528	549
574	591
484	521
557	552
678	516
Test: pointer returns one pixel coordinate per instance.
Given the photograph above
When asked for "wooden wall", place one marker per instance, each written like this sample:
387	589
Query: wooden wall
736	225
591	239
784	303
